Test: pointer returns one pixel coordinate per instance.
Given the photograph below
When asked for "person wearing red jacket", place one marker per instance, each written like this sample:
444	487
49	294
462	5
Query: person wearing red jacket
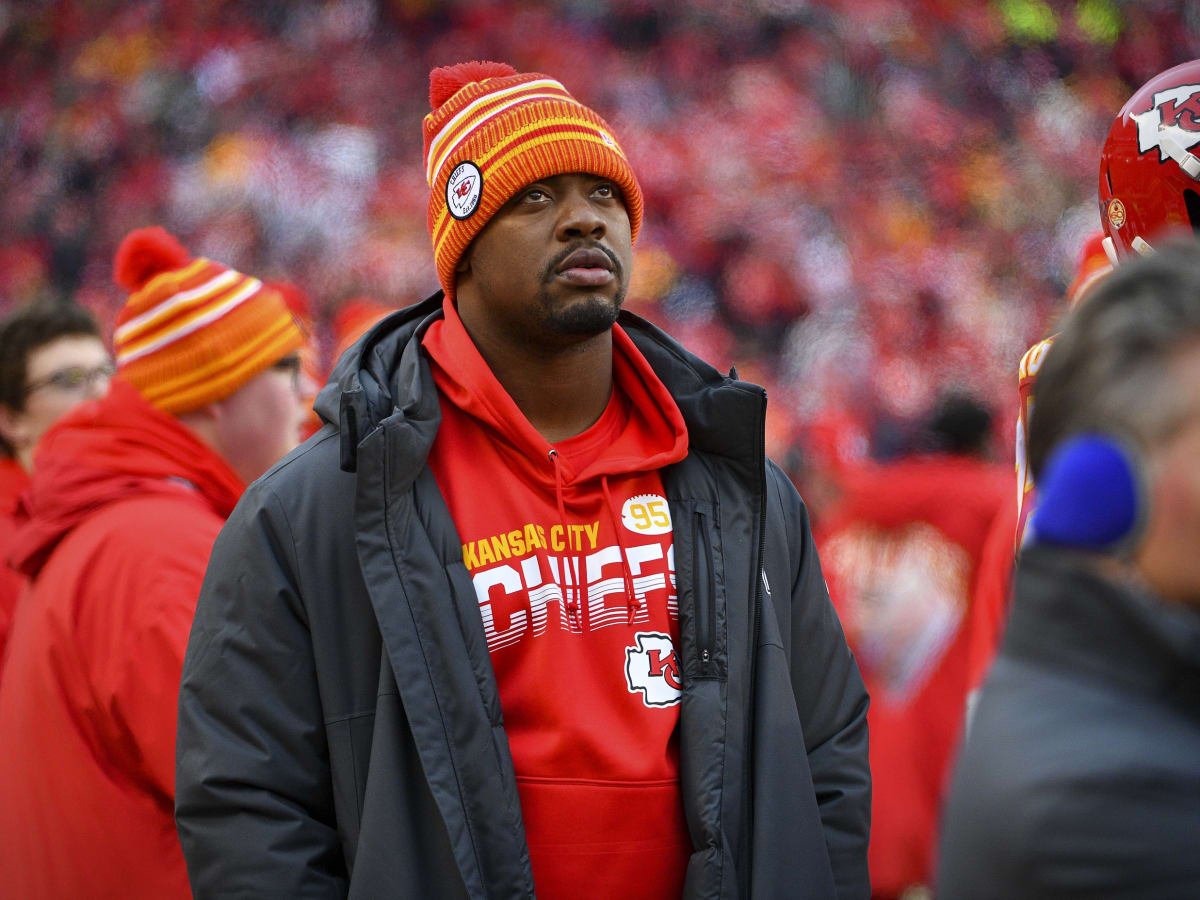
51	359
127	495
901	554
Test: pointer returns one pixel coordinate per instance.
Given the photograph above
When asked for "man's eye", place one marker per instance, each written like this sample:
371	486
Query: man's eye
535	196
605	190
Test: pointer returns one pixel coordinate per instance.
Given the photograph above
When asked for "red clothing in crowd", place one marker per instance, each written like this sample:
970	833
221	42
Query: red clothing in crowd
900	556
993	592
989	612
570	549
125	505
13	482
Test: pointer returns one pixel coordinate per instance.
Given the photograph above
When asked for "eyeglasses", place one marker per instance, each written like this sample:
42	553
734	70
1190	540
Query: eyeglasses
291	365
72	378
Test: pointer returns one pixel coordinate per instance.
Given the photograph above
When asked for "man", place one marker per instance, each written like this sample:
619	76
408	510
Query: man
127	495
1078	777
901	553
51	358
531	612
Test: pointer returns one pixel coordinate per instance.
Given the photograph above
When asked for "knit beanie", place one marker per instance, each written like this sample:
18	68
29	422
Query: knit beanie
493	131
193	331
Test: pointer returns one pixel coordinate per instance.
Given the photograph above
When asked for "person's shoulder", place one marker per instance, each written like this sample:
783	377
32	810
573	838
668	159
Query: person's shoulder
125	553
164	522
310	476
1059	771
783	498
1036	726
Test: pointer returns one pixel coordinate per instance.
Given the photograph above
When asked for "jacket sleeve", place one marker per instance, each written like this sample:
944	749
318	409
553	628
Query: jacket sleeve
831	698
253	800
137	684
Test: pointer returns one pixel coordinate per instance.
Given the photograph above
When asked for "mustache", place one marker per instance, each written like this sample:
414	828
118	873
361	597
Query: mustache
552	266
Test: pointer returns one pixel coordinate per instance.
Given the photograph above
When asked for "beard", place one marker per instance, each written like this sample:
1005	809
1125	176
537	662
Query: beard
586	316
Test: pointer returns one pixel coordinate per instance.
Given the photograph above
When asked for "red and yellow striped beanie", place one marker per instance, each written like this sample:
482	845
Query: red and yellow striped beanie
493	131
193	331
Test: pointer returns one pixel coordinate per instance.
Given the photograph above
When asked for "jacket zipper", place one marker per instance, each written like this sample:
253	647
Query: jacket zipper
759	576
702	589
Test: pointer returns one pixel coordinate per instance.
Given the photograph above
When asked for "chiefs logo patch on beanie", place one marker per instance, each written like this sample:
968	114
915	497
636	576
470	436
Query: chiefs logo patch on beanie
493	131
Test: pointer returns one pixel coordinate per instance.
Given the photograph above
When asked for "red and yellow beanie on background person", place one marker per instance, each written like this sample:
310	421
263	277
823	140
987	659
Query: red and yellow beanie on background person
193	331
493	131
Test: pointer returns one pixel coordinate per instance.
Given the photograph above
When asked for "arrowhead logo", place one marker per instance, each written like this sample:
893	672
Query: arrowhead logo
464	189
652	669
1177	111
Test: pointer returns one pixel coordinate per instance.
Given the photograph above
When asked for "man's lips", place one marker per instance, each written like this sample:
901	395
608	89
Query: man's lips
586	267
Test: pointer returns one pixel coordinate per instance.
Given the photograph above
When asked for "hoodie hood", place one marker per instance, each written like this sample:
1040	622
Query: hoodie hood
385	376
13	481
114	448
649	432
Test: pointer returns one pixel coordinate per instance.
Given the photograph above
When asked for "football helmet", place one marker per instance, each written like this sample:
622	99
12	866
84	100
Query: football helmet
1150	165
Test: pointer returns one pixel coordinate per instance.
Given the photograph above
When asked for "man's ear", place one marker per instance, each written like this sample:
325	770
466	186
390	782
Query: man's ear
464	262
13	427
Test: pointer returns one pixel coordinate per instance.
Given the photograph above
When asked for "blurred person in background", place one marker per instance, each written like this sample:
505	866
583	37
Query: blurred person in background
312	370
901	554
1149	189
1078	777
993	588
51	358
127	495
532	612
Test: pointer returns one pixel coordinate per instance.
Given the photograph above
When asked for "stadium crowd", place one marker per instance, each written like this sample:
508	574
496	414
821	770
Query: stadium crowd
873	209
859	204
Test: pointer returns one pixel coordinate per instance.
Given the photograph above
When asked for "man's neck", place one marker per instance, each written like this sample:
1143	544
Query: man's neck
561	392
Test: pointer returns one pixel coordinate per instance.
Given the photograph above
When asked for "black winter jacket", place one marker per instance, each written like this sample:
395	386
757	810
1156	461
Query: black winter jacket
340	731
1080	776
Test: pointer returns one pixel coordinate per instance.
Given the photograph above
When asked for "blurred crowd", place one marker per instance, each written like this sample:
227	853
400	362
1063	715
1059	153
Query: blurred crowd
872	209
858	204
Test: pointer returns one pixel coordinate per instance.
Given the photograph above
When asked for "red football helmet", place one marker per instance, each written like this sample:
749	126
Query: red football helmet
1149	178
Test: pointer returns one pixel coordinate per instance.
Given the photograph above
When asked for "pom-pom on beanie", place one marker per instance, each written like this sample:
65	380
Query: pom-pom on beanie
193	331
493	131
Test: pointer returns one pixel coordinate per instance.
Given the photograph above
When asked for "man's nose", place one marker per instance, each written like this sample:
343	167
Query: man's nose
579	218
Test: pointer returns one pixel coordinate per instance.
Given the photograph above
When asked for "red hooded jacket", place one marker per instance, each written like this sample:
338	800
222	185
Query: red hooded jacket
570	549
125	504
901	557
13	481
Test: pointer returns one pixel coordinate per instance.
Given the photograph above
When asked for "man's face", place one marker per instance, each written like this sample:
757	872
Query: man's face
551	267
58	376
260	422
1169	556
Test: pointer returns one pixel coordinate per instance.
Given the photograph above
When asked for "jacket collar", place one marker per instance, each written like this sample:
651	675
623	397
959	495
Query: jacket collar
1069	615
385	376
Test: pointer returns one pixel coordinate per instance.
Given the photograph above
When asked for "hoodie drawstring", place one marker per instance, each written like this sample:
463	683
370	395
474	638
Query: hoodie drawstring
630	598
570	592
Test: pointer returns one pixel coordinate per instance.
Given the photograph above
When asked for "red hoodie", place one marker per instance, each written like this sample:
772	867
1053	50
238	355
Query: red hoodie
13	481
570	549
125	505
901	556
